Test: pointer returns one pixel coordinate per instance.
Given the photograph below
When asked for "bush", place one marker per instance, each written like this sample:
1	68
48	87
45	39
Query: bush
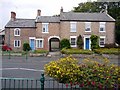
110	45
40	51
94	42
80	42
64	43
107	51
87	74
75	51
26	47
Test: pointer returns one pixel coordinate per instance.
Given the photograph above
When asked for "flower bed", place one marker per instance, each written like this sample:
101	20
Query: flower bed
88	74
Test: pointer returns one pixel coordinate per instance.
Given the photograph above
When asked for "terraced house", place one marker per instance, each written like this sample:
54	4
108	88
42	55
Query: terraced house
45	32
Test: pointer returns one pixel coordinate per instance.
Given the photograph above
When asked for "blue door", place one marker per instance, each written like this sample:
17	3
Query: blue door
87	43
32	44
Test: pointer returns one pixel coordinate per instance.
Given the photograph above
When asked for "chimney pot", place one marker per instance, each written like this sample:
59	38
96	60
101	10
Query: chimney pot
61	10
39	13
13	16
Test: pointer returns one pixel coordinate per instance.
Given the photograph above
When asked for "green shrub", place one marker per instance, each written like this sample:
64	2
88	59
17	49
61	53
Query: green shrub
87	74
40	51
64	43
80	42
26	47
94	42
107	51
75	51
110	45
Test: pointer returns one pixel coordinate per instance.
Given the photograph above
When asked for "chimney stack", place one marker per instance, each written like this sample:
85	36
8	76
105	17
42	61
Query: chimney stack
38	12
13	16
61	10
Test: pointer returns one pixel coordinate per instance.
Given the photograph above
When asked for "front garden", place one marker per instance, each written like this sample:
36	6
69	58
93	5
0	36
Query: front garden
88	74
115	51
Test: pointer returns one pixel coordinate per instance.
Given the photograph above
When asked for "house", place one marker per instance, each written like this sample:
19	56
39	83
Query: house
45	32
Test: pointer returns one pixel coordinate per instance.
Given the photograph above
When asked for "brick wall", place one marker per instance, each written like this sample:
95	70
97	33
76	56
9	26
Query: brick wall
53	29
25	33
65	30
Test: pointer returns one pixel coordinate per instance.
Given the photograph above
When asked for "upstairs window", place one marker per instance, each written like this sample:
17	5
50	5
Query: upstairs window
87	26
73	26
73	41
16	32
45	27
102	27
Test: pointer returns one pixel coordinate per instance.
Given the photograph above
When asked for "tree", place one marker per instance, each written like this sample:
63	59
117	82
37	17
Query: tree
64	43
80	42
26	47
113	10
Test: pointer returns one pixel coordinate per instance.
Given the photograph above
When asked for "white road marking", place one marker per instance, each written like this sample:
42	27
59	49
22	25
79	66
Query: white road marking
22	69
8	68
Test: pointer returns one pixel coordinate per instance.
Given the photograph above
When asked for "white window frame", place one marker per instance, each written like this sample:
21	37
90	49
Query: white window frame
17	32
73	26
88	25
17	43
39	41
102	37
45	25
75	41
102	25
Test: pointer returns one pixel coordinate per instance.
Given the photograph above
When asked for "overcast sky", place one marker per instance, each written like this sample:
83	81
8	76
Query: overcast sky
28	8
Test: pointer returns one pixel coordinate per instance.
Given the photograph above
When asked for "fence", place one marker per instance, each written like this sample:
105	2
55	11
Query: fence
27	83
41	84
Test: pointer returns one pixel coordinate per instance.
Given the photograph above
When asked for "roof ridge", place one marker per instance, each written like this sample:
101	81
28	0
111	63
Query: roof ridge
24	19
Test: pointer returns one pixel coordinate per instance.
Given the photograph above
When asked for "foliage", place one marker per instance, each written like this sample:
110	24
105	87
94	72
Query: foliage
107	51
40	51
87	74
80	42
113	10
64	43
26	47
110	46
94	42
75	51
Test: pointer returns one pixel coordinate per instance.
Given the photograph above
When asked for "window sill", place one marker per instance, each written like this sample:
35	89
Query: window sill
16	35
101	31
87	31
73	46
45	32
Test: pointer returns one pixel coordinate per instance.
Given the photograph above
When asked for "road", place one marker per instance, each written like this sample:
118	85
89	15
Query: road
32	68
19	67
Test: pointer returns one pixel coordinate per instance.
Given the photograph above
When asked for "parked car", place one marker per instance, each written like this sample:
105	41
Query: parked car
6	48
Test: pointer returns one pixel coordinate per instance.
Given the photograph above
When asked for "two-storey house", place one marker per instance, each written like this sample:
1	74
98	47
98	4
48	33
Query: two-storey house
45	32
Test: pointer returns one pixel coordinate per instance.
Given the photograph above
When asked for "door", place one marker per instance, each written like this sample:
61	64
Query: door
32	44
87	44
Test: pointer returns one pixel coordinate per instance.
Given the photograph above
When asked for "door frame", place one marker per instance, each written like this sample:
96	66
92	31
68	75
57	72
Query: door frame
87	36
